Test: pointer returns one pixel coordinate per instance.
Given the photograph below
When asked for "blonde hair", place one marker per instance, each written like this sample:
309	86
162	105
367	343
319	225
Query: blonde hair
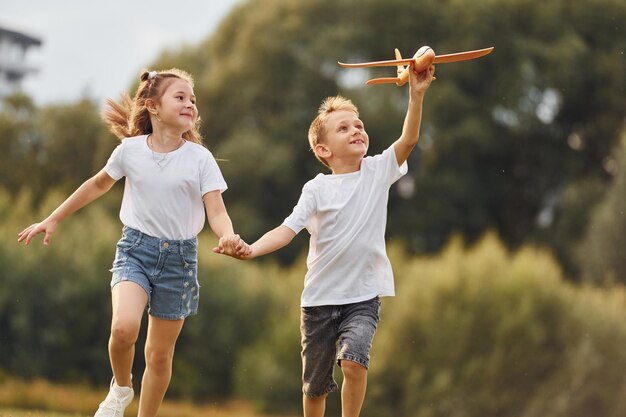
130	117
328	106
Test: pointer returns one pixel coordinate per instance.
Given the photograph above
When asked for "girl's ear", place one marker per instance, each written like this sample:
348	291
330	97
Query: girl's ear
151	106
322	151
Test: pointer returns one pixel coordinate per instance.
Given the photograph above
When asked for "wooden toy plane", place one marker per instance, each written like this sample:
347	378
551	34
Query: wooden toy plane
423	58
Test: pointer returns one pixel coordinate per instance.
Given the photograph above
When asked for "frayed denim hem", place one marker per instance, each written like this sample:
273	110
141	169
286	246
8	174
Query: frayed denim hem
331	388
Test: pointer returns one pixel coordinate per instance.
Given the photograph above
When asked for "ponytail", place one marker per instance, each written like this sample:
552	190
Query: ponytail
130	117
117	114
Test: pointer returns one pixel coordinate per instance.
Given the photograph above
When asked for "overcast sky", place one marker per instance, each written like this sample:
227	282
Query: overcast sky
99	47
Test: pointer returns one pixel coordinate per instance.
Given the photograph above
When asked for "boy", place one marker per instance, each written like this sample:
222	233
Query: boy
348	268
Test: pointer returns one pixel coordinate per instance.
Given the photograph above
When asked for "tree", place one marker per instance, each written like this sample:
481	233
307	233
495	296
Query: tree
53	147
502	137
73	143
18	137
506	140
601	254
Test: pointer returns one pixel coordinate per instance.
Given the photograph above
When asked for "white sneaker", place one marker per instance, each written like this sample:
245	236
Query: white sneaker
116	401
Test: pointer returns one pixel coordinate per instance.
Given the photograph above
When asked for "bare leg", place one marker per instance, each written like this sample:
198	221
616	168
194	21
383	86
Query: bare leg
159	351
129	302
353	388
314	407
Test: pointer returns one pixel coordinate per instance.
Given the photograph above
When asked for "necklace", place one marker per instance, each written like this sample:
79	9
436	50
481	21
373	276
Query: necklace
160	161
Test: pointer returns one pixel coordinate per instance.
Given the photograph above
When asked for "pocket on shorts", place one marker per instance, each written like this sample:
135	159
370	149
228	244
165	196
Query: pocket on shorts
128	241
125	245
190	257
120	263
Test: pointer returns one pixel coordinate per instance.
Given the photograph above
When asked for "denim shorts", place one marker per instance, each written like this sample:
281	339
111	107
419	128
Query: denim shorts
166	269
331	334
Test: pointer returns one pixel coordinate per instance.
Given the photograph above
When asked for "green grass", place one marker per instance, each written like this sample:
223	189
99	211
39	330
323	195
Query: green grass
35	398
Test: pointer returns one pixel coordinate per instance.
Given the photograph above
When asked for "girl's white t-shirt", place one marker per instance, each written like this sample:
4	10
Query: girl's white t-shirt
346	216
163	192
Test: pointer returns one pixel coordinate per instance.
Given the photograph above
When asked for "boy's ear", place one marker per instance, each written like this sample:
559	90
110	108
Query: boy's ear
322	151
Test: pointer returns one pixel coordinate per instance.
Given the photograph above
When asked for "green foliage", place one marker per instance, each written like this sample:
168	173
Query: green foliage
506	141
55	305
503	137
517	142
18	138
601	254
269	370
68	131
54	301
58	146
234	304
479	331
472	331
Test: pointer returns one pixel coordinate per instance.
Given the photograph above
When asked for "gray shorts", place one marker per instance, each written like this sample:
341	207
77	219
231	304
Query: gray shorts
166	269
331	334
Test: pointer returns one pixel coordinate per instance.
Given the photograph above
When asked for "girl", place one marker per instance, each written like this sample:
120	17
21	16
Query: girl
170	180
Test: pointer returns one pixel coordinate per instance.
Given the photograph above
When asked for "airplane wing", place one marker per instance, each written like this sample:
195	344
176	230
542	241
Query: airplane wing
462	56
390	63
439	59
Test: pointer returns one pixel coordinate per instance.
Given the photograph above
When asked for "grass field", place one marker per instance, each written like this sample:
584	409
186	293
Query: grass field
28	413
39	398
11	412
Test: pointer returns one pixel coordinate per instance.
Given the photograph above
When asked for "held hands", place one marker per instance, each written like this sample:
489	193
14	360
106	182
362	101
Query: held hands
233	245
47	226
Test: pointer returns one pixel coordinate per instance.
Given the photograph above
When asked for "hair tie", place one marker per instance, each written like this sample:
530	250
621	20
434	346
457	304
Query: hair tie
152	74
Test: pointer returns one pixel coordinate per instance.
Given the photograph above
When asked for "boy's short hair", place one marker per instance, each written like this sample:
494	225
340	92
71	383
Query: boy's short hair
328	106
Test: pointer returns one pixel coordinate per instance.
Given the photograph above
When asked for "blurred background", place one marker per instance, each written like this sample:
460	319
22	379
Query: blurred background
507	236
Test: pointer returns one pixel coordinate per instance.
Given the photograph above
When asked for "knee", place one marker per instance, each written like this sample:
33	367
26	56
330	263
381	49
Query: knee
314	402
124	333
353	370
159	360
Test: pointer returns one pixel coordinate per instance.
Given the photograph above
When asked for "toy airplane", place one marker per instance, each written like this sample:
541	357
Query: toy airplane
423	58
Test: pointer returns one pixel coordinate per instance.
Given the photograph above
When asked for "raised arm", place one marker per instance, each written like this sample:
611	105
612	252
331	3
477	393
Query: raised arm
418	84
90	190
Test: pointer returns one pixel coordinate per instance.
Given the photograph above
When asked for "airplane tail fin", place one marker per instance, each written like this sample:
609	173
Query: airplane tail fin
399	57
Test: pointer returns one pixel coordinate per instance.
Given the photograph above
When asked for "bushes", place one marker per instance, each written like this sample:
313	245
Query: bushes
55	306
269	370
472	332
482	332
235	302
54	301
601	253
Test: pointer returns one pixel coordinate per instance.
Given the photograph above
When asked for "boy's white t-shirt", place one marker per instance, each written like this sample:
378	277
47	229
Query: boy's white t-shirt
346	215
163	192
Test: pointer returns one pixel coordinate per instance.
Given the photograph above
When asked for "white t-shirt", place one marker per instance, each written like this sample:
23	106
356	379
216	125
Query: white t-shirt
163	192
346	215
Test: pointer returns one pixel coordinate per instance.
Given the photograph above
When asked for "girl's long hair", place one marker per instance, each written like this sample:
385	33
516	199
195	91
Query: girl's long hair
130	117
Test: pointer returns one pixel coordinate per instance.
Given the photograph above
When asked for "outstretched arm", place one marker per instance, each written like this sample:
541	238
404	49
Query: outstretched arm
90	190
418	84
272	241
268	243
